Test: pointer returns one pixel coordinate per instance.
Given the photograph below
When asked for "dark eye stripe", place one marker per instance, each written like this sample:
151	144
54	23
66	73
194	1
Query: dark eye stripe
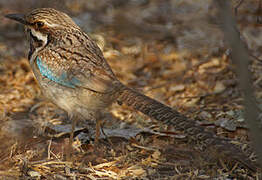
39	24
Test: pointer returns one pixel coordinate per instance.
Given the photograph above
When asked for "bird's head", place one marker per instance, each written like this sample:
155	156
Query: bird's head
44	25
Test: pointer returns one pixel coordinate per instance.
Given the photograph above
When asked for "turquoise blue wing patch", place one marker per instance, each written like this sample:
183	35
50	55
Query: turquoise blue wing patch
60	79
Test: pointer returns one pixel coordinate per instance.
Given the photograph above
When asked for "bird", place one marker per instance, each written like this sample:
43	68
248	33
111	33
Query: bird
73	74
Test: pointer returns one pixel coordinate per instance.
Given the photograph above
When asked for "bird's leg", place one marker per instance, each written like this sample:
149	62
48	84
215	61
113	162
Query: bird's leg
99	130
106	137
98	118
98	126
70	144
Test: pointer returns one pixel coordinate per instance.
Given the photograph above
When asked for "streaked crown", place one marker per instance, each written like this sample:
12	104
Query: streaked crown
45	25
45	21
48	18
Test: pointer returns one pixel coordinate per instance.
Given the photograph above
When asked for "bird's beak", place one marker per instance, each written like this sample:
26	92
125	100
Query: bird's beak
17	17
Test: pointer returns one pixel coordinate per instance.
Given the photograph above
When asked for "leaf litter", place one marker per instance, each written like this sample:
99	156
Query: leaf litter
198	82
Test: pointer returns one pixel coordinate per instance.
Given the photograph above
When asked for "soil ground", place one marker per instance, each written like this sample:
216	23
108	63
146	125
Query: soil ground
172	51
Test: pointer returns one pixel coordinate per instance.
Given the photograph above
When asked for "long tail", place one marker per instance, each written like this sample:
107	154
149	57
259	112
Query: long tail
169	116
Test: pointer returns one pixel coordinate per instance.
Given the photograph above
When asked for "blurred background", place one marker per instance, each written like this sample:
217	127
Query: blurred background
184	23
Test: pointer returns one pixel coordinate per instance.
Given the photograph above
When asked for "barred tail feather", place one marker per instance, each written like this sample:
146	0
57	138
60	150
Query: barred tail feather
195	132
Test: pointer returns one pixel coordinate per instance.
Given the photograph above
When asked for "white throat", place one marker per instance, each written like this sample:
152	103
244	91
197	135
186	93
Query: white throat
41	37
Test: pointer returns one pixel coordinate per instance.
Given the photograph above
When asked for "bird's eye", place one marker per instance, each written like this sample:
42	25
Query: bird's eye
39	24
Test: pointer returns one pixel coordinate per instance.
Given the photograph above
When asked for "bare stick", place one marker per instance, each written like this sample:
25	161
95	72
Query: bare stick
241	61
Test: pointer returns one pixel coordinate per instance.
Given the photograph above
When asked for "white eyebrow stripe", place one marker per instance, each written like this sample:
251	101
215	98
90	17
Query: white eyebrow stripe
52	25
